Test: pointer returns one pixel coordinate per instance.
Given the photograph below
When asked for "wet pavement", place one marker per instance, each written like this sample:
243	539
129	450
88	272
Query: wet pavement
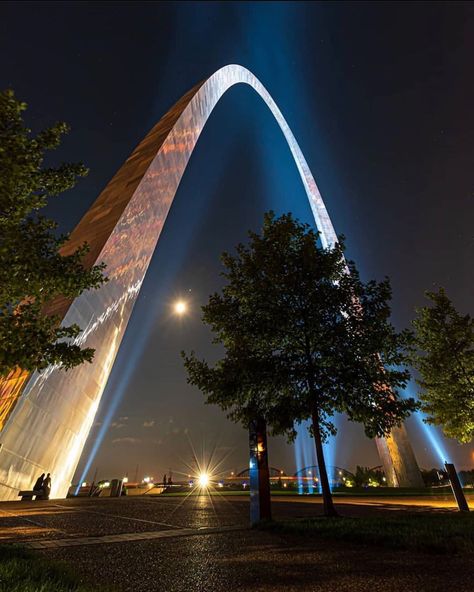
203	543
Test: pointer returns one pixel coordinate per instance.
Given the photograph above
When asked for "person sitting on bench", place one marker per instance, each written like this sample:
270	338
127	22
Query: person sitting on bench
38	486
46	487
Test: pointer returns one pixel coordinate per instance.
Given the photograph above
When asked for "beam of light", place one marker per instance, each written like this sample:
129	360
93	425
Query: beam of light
305	456
431	433
330	448
115	390
434	437
298	450
309	455
133	347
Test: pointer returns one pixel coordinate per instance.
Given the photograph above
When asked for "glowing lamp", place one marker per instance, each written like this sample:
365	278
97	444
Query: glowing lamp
203	480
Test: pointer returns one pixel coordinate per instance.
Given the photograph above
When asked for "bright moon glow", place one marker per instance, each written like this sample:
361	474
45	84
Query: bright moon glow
203	480
180	307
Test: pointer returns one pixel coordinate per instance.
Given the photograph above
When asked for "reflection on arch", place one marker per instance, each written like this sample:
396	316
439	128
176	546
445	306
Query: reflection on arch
47	425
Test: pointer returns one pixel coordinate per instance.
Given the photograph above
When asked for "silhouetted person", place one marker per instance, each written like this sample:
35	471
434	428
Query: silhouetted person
164	479
38	486
46	487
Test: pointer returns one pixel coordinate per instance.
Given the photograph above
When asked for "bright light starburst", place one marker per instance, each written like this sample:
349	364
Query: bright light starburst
203	480
180	307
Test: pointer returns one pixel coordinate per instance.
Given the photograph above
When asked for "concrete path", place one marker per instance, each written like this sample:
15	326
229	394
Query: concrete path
203	544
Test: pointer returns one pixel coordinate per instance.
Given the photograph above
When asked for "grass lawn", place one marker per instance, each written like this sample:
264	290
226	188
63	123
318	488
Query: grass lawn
25	571
432	533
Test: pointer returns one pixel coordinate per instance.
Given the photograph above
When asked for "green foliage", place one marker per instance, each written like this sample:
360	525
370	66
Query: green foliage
301	334
426	533
304	338
435	477
365	477
445	361
467	478
32	271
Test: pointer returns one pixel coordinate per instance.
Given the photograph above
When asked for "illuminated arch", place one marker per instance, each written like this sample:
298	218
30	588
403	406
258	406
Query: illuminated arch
47	427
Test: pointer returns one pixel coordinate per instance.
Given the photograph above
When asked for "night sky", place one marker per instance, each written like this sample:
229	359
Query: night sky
380	98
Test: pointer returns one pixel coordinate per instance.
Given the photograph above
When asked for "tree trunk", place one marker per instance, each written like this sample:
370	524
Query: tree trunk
260	506
329	509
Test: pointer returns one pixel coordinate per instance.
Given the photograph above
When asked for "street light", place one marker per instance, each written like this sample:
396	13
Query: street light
203	480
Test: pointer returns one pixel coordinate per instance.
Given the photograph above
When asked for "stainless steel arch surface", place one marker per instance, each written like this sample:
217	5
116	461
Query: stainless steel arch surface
48	427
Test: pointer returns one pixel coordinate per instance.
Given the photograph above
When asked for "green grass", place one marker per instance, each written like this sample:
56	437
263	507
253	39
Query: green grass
379	492
393	491
26	571
337	493
431	533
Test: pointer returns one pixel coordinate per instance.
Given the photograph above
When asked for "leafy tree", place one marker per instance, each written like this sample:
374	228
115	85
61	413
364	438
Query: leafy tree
433	477
445	361
365	476
33	273
467	477
242	382
310	337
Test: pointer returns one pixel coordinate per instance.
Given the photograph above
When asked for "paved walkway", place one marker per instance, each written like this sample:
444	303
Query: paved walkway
204	544
93	520
126	537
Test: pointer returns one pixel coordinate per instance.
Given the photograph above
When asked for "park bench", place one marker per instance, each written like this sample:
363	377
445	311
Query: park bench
27	496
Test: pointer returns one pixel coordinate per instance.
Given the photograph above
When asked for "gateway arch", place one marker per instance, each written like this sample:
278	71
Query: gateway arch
46	417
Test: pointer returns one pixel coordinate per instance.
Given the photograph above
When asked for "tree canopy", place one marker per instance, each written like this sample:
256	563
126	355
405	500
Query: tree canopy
304	338
33	272
445	361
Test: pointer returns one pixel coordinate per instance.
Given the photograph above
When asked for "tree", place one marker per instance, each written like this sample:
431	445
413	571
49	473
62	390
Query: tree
33	273
310	337
242	383
445	361
368	477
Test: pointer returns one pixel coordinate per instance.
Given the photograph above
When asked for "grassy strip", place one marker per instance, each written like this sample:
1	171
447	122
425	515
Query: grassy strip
395	492
24	571
429	533
337	493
